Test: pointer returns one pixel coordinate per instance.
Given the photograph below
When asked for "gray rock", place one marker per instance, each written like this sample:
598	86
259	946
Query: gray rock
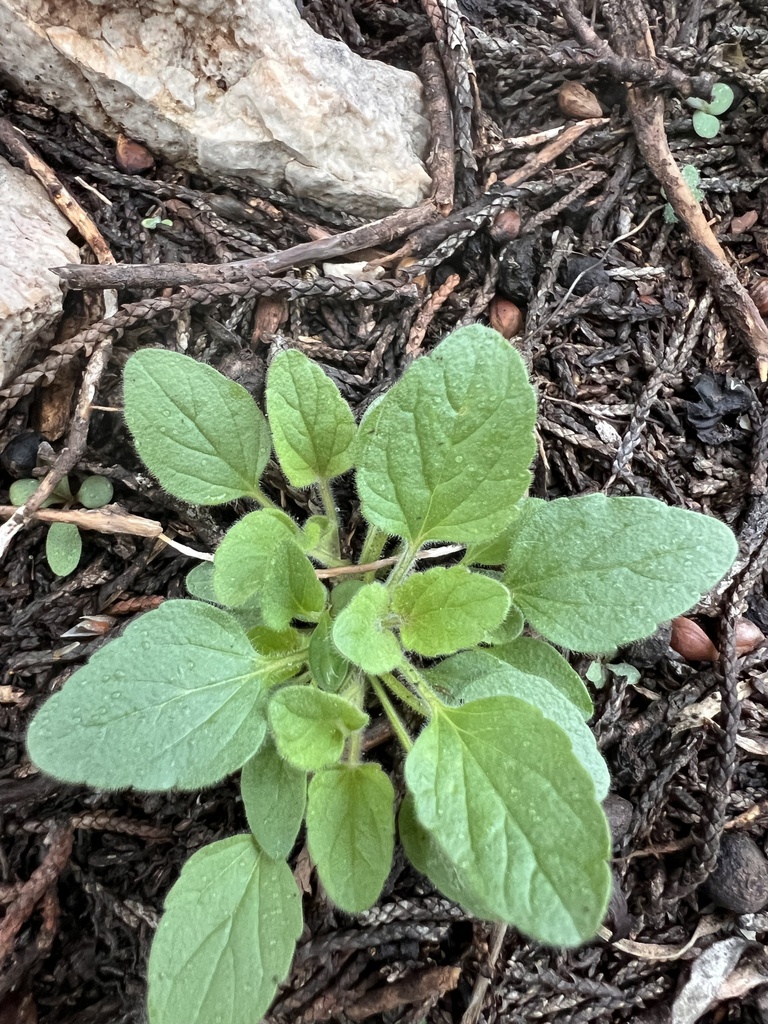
242	87
740	880
33	238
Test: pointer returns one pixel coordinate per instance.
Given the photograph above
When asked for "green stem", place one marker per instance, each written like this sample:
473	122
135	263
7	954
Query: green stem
420	684
404	694
403	564
355	694
399	729
263	500
373	545
329	504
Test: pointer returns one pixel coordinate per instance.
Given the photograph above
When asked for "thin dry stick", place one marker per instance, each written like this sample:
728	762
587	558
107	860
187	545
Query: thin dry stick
441	160
102	520
427	314
631	33
482	983
382	563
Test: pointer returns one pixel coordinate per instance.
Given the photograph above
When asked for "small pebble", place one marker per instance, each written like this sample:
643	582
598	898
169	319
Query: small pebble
740	880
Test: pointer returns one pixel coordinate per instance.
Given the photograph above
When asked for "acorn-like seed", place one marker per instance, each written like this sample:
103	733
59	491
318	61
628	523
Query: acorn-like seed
690	641
759	295
505	317
132	157
576	101
506	227
748	637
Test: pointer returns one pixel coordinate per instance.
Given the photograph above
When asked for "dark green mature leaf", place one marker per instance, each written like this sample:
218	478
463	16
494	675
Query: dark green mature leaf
594	573
201	434
63	547
473	675
350	833
328	666
503	795
260	556
274	794
176	702
311	727
443	610
362	634
226	939
313	427
445	454
199	583
537	658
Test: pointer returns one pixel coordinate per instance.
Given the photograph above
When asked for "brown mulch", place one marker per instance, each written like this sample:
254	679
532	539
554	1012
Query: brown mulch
647	384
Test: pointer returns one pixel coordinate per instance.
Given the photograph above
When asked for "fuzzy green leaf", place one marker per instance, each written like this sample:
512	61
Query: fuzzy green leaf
311	727
176	702
594	573
509	630
537	658
261	557
445	454
328	666
95	492
443	610
319	540
705	125
473	675
350	833
501	792
199	433
226	939
362	633
274	795
63	547
312	426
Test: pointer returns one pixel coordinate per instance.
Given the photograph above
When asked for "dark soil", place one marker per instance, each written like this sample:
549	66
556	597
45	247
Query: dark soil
643	390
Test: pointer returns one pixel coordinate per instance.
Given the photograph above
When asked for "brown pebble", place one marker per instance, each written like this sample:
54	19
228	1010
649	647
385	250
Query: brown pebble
740	880
131	157
505	317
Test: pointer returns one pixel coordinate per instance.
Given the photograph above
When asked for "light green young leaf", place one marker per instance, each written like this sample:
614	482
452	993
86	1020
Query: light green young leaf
509	630
443	610
328	666
199	584
722	98
537	658
276	643
200	434
595	573
343	593
473	675
22	490
445	454
95	492
63	547
363	635
500	790
318	540
274	794
176	702
261	557
350	833
311	727
489	552
227	937
313	427
705	125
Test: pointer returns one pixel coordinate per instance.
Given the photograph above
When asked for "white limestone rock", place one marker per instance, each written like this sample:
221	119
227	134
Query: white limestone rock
241	87
33	238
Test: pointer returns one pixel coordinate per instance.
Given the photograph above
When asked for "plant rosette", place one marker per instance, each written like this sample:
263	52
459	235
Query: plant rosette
276	673
706	123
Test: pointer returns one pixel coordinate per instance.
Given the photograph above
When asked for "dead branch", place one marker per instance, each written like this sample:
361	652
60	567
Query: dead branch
441	161
111	519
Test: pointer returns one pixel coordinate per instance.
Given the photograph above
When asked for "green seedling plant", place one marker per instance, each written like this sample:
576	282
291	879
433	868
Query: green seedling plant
288	651
705	120
691	177
63	543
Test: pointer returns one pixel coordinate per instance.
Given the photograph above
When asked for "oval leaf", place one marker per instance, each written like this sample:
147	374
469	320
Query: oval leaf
445	454
312	426
350	833
95	492
594	573
705	125
226	939
722	98
473	675
63	547
260	557
499	789
274	795
176	702
361	633
200	434
328	666
537	658
311	727
443	610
